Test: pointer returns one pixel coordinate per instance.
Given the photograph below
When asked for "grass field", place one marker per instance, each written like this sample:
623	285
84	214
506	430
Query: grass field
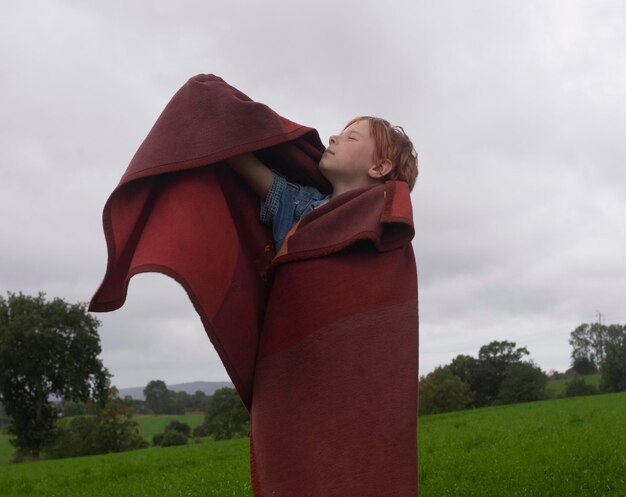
203	469
573	447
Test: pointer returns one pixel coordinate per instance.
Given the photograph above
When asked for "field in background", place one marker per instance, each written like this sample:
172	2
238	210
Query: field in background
574	447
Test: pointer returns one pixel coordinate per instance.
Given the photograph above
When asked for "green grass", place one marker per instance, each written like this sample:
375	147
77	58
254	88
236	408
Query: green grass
202	469
557	387
573	447
566	447
6	449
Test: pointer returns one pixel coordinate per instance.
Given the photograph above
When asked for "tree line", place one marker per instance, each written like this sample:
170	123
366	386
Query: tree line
501	374
597	347
158	399
56	398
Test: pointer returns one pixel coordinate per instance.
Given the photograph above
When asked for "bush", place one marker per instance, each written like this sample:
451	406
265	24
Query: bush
142	408
71	408
226	416
179	426
583	365
578	386
442	391
86	435
176	433
173	438
613	369
71	438
556	375
109	429
201	431
523	382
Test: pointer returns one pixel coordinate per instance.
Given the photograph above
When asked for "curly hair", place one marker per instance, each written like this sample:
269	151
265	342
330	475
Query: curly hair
391	142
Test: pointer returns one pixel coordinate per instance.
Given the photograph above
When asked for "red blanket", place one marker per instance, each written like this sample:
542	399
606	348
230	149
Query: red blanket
320	340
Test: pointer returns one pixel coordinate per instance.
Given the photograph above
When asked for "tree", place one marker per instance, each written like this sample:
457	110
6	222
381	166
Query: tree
443	391
583	365
467	368
464	366
71	408
578	386
613	369
47	348
599	346
587	342
199	400
502	353
182	401
523	382
493	361
226	416
175	433
590	341
159	399
581	343
485	374
107	428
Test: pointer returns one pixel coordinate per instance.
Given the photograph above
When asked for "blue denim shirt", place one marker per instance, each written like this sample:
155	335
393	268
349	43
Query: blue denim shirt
286	203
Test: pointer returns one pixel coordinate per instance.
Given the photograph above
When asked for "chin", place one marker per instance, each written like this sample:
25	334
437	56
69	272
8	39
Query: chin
325	171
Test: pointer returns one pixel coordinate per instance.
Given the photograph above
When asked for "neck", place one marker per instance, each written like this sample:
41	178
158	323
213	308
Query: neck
340	187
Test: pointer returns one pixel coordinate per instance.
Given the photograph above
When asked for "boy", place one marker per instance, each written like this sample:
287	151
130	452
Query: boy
324	352
367	151
297	424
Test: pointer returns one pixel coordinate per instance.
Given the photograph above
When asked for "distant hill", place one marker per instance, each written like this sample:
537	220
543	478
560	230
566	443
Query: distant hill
208	387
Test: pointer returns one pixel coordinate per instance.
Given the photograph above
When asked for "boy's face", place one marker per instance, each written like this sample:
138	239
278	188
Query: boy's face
349	155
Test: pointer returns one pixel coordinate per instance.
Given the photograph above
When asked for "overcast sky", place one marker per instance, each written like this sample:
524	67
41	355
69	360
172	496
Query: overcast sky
517	111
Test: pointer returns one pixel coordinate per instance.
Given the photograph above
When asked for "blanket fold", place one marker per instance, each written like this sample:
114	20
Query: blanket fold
319	341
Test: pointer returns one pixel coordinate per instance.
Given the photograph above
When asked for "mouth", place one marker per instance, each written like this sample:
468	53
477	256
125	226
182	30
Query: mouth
328	151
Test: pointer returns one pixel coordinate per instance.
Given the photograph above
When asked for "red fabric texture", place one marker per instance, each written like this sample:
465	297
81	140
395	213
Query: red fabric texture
320	341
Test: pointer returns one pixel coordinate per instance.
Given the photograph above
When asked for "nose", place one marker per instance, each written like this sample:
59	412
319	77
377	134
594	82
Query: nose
333	139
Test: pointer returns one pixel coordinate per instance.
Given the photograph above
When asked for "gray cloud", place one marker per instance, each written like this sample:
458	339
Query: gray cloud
516	110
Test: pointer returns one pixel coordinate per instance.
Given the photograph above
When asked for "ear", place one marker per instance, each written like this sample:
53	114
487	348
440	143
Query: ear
381	170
